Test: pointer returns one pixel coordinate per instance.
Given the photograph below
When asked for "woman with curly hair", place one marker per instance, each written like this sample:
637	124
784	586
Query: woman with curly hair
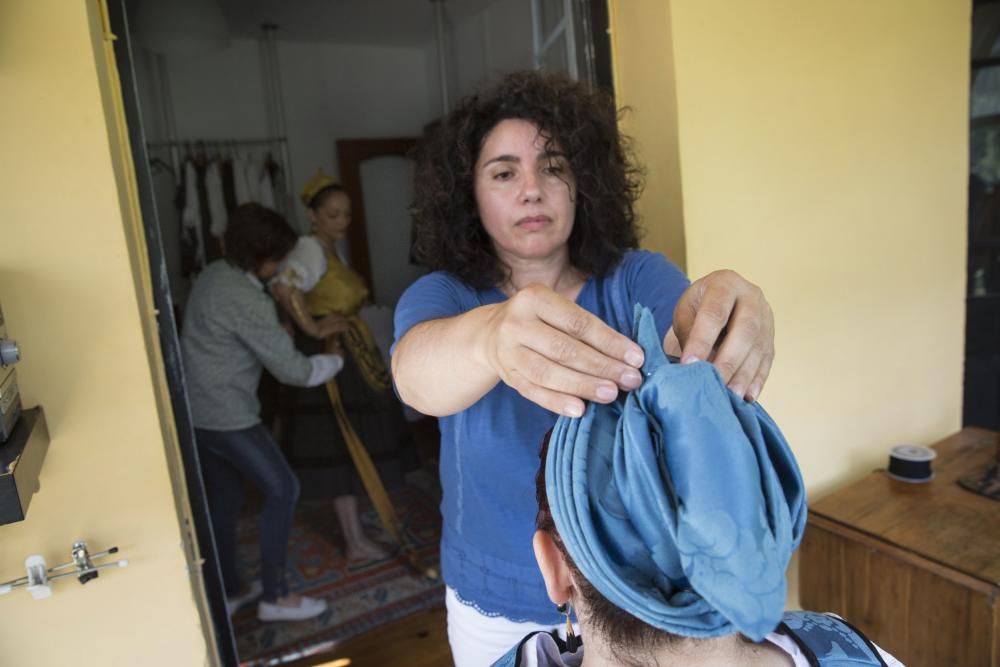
525	213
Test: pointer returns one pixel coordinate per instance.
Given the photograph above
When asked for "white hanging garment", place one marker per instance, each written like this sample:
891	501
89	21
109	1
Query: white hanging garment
191	216
241	183
216	201
265	188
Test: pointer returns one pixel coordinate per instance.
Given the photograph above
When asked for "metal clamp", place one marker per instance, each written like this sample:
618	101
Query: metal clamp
38	578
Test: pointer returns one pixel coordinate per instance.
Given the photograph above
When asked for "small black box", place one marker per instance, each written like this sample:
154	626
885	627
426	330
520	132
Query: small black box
21	460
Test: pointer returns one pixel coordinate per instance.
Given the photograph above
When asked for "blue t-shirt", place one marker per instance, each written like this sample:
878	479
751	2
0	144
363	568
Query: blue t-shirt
489	451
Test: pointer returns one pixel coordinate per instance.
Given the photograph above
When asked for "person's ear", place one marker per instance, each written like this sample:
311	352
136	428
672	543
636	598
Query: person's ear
311	216
555	572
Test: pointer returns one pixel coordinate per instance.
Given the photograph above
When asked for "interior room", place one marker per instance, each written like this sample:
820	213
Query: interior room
283	92
840	156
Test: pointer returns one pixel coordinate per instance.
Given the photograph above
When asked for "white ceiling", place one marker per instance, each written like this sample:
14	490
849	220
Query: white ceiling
389	22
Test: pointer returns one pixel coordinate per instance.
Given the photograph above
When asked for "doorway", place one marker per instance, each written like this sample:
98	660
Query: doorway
981	396
295	88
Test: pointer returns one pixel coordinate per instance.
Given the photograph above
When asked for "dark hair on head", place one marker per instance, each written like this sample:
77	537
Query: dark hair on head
579	121
321	196
255	234
629	636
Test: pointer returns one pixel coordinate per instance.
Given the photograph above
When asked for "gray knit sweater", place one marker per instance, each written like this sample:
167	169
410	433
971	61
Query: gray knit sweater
230	330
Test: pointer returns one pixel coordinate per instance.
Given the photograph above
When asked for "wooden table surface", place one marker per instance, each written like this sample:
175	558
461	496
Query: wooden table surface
934	519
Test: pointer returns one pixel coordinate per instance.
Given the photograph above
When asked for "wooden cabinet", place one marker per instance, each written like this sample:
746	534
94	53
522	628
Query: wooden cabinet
914	566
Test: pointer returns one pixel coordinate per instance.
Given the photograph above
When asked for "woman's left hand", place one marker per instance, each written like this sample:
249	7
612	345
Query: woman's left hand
332	324
725	319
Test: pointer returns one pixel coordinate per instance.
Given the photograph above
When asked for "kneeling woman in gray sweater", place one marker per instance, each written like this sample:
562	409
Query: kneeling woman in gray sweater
231	331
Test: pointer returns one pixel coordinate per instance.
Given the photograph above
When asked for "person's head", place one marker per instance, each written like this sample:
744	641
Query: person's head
328	207
565	583
257	239
670	514
535	164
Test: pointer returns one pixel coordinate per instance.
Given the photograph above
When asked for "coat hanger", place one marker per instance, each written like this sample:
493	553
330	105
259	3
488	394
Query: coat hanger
156	164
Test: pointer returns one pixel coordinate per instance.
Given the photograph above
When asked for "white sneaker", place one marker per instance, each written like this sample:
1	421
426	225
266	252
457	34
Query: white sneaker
306	609
237	601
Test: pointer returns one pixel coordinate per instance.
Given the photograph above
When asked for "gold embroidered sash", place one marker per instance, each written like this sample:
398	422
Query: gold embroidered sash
341	290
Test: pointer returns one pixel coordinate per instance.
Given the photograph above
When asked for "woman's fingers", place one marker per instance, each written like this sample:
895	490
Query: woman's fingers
725	318
747	345
561	404
556	353
757	384
556	387
739	383
749	340
701	316
565	351
562	314
333	323
738	353
279	289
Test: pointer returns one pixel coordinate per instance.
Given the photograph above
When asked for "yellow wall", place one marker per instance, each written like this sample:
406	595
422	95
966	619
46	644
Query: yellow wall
646	85
822	152
68	291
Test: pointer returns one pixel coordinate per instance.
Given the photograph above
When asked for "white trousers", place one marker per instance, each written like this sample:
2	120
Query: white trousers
478	640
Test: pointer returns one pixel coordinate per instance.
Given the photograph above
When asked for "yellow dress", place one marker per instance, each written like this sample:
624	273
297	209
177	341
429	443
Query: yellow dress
341	290
313	434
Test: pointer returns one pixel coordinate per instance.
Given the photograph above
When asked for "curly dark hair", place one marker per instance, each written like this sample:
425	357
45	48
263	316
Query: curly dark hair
578	120
255	234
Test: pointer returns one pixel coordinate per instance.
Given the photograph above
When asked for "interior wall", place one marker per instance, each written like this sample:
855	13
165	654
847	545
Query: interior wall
644	81
330	92
490	43
387	188
69	294
822	151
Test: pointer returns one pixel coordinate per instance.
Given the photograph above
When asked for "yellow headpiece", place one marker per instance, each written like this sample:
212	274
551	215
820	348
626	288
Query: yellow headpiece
312	187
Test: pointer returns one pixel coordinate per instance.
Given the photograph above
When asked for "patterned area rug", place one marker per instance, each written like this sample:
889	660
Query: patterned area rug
362	595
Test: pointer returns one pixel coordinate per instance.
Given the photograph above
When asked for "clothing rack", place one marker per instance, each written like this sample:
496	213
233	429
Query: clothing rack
182	143
280	143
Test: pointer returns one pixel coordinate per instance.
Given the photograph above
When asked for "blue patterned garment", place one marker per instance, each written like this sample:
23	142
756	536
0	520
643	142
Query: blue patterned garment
831	640
820	639
680	502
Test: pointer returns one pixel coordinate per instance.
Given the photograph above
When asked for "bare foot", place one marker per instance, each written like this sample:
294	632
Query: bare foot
364	549
357	545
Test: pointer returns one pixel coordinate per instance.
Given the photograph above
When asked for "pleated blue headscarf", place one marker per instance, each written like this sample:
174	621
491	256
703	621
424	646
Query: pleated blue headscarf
680	502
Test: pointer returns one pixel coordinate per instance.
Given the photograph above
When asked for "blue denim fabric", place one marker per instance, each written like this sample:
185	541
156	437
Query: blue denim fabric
228	458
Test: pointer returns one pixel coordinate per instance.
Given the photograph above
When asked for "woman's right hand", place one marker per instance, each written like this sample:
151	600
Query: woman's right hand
331	324
556	354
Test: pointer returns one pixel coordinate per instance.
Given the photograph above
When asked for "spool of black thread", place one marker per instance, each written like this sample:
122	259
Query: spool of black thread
910	463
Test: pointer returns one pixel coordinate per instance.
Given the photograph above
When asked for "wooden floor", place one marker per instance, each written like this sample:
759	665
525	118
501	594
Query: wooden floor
420	640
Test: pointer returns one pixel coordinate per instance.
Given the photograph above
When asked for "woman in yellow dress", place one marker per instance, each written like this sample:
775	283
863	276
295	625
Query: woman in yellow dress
314	283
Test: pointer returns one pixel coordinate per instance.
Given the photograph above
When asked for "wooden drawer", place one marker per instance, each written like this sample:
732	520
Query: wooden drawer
921	612
914	566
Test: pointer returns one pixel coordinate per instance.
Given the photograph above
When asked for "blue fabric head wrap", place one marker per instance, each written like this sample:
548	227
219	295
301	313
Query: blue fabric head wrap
679	502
